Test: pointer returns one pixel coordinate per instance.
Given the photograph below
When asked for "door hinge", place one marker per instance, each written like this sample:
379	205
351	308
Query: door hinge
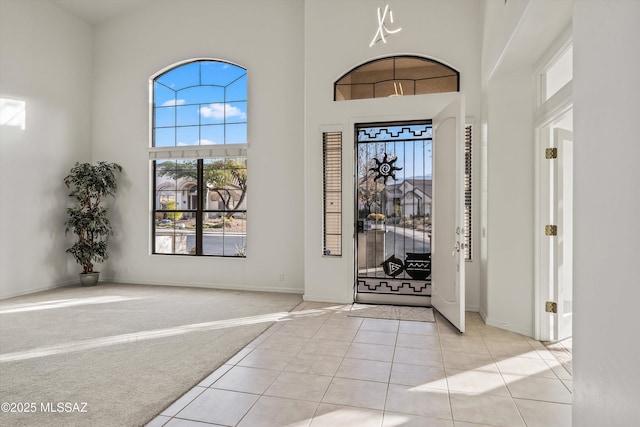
551	153
551	307
551	230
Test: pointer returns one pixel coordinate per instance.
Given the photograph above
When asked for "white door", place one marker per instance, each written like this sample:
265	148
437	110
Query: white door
563	259
447	256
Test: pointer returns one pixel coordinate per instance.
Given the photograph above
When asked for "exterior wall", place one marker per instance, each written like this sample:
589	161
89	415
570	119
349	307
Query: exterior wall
606	292
131	49
45	60
337	37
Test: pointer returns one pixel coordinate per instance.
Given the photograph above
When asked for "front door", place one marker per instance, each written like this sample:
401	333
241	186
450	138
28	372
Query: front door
448	235
394	210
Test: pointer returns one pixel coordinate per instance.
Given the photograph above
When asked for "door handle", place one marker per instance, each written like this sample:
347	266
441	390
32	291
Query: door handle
456	248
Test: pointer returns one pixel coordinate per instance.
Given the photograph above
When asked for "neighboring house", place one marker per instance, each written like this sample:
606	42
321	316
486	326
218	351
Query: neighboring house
183	192
412	197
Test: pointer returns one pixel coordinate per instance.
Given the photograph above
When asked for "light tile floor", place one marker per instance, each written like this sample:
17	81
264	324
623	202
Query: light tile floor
320	367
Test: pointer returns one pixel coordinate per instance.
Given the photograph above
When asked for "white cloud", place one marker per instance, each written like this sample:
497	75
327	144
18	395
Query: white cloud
218	111
172	102
198	142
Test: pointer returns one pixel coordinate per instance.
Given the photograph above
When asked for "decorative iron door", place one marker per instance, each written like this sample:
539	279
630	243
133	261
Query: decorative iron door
393	212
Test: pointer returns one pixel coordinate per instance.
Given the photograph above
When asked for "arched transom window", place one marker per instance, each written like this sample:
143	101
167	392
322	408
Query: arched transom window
396	76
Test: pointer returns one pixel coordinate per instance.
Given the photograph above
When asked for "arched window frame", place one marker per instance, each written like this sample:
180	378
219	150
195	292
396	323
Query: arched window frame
391	84
228	156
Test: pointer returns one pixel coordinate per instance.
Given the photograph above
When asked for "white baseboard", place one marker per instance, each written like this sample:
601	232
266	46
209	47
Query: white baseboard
324	298
519	329
40	289
231	287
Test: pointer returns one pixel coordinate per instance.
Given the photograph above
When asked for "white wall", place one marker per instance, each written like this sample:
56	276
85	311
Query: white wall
510	213
337	37
516	35
45	60
607	289
267	39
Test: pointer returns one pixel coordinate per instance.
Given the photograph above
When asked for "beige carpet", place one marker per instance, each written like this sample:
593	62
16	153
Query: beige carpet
393	312
117	355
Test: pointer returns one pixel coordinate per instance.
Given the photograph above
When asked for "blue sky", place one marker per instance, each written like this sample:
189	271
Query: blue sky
201	103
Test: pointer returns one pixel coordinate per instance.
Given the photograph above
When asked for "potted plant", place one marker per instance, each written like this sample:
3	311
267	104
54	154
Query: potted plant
378	220
87	219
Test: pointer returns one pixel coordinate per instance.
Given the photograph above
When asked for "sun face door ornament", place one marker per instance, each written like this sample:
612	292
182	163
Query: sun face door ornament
385	168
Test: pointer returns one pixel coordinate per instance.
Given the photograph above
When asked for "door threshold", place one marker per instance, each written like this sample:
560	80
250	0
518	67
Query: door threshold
390	299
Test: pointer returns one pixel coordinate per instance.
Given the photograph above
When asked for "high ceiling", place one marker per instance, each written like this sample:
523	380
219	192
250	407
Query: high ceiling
97	11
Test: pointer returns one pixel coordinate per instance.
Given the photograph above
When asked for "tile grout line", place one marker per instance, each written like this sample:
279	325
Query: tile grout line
393	356
281	372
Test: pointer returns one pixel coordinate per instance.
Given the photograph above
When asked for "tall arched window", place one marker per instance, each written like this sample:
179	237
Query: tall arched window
198	148
396	76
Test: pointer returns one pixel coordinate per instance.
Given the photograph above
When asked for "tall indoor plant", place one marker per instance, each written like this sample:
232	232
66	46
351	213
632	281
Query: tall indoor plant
87	219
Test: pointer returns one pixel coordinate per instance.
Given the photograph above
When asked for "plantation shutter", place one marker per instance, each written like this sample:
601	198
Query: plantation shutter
468	194
332	193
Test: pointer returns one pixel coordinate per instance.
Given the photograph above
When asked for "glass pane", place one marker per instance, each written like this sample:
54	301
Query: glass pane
373	72
165	116
394	88
188	115
342	92
181	77
162	95
213	134
437	85
173	234
187	169
236	112
237	91
362	91
201	95
189	135
164	137
212	113
166	199
236	134
220	73
559	74
225	235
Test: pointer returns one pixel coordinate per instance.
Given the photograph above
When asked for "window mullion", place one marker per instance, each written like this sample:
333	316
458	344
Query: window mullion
154	198
199	207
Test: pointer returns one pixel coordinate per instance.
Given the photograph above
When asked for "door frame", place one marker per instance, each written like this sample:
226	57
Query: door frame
409	108
543	293
381	298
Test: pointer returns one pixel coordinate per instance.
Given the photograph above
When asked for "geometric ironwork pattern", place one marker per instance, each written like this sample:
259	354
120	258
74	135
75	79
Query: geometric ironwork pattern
397	133
397	287
417	286
370	286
